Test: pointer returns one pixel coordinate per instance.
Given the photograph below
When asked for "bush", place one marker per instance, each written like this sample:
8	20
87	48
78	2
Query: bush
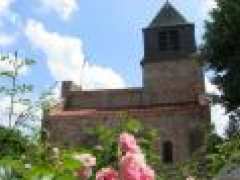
12	142
106	149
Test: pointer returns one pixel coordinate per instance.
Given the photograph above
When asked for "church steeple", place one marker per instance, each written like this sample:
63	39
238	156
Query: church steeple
169	42
168	16
169	36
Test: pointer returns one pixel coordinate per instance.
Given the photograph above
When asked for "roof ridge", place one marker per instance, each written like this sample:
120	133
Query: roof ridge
168	16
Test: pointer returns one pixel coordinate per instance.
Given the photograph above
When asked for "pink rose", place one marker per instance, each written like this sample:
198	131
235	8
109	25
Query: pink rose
133	167
107	174
147	173
128	143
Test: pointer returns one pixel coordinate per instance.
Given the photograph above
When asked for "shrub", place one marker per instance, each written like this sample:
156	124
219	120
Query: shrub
12	142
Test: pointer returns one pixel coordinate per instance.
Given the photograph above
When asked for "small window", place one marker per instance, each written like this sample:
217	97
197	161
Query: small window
162	41
169	41
167	152
173	40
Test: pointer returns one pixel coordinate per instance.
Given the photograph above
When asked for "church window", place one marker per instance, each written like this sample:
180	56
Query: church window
173	40
169	40
167	152
162	41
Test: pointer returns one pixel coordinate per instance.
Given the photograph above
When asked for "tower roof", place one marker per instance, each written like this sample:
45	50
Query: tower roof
168	16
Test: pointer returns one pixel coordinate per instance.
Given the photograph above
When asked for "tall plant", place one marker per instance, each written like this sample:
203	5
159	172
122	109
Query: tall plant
12	68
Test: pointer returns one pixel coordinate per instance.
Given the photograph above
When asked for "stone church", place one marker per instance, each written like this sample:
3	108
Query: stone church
170	100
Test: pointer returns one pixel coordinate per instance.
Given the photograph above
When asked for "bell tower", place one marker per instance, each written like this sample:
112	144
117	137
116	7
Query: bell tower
169	68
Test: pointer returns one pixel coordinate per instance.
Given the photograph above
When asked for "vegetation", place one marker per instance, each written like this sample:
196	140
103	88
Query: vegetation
24	158
107	139
221	50
14	88
219	153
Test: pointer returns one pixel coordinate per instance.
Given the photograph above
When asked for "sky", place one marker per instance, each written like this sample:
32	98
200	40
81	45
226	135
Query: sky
97	44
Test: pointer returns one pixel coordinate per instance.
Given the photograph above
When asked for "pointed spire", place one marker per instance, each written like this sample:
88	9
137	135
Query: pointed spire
168	16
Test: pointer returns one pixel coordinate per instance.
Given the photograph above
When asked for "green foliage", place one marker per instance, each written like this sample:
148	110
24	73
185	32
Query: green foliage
21	158
222	47
12	142
213	140
14	88
233	128
6	173
106	150
227	152
221	50
37	165
219	153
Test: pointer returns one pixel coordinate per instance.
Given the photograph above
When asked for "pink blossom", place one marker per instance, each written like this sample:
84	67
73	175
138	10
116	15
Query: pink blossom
128	143
133	167
84	172
87	160
107	174
147	173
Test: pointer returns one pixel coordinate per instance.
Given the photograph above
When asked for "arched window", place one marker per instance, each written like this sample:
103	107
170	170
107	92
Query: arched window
167	152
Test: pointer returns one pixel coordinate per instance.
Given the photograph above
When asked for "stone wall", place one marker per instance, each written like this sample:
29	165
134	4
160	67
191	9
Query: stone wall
103	98
173	81
174	124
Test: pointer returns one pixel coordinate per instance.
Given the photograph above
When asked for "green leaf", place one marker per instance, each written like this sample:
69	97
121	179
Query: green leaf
28	61
9	74
4	57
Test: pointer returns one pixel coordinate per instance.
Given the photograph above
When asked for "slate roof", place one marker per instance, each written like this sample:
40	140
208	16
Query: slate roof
168	16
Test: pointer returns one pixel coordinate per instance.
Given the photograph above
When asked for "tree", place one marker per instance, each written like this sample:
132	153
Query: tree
233	128
221	49
13	66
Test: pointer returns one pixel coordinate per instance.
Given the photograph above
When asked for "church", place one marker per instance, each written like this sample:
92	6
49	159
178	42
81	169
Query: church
171	99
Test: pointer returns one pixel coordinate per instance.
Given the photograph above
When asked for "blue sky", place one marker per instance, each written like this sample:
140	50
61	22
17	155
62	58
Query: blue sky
95	43
110	33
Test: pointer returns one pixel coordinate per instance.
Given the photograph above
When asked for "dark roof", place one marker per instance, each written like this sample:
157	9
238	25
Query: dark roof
168	16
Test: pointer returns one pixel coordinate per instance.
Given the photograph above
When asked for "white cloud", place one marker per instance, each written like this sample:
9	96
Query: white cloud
219	118
6	39
5	6
64	8
211	88
65	59
218	113
97	77
207	5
